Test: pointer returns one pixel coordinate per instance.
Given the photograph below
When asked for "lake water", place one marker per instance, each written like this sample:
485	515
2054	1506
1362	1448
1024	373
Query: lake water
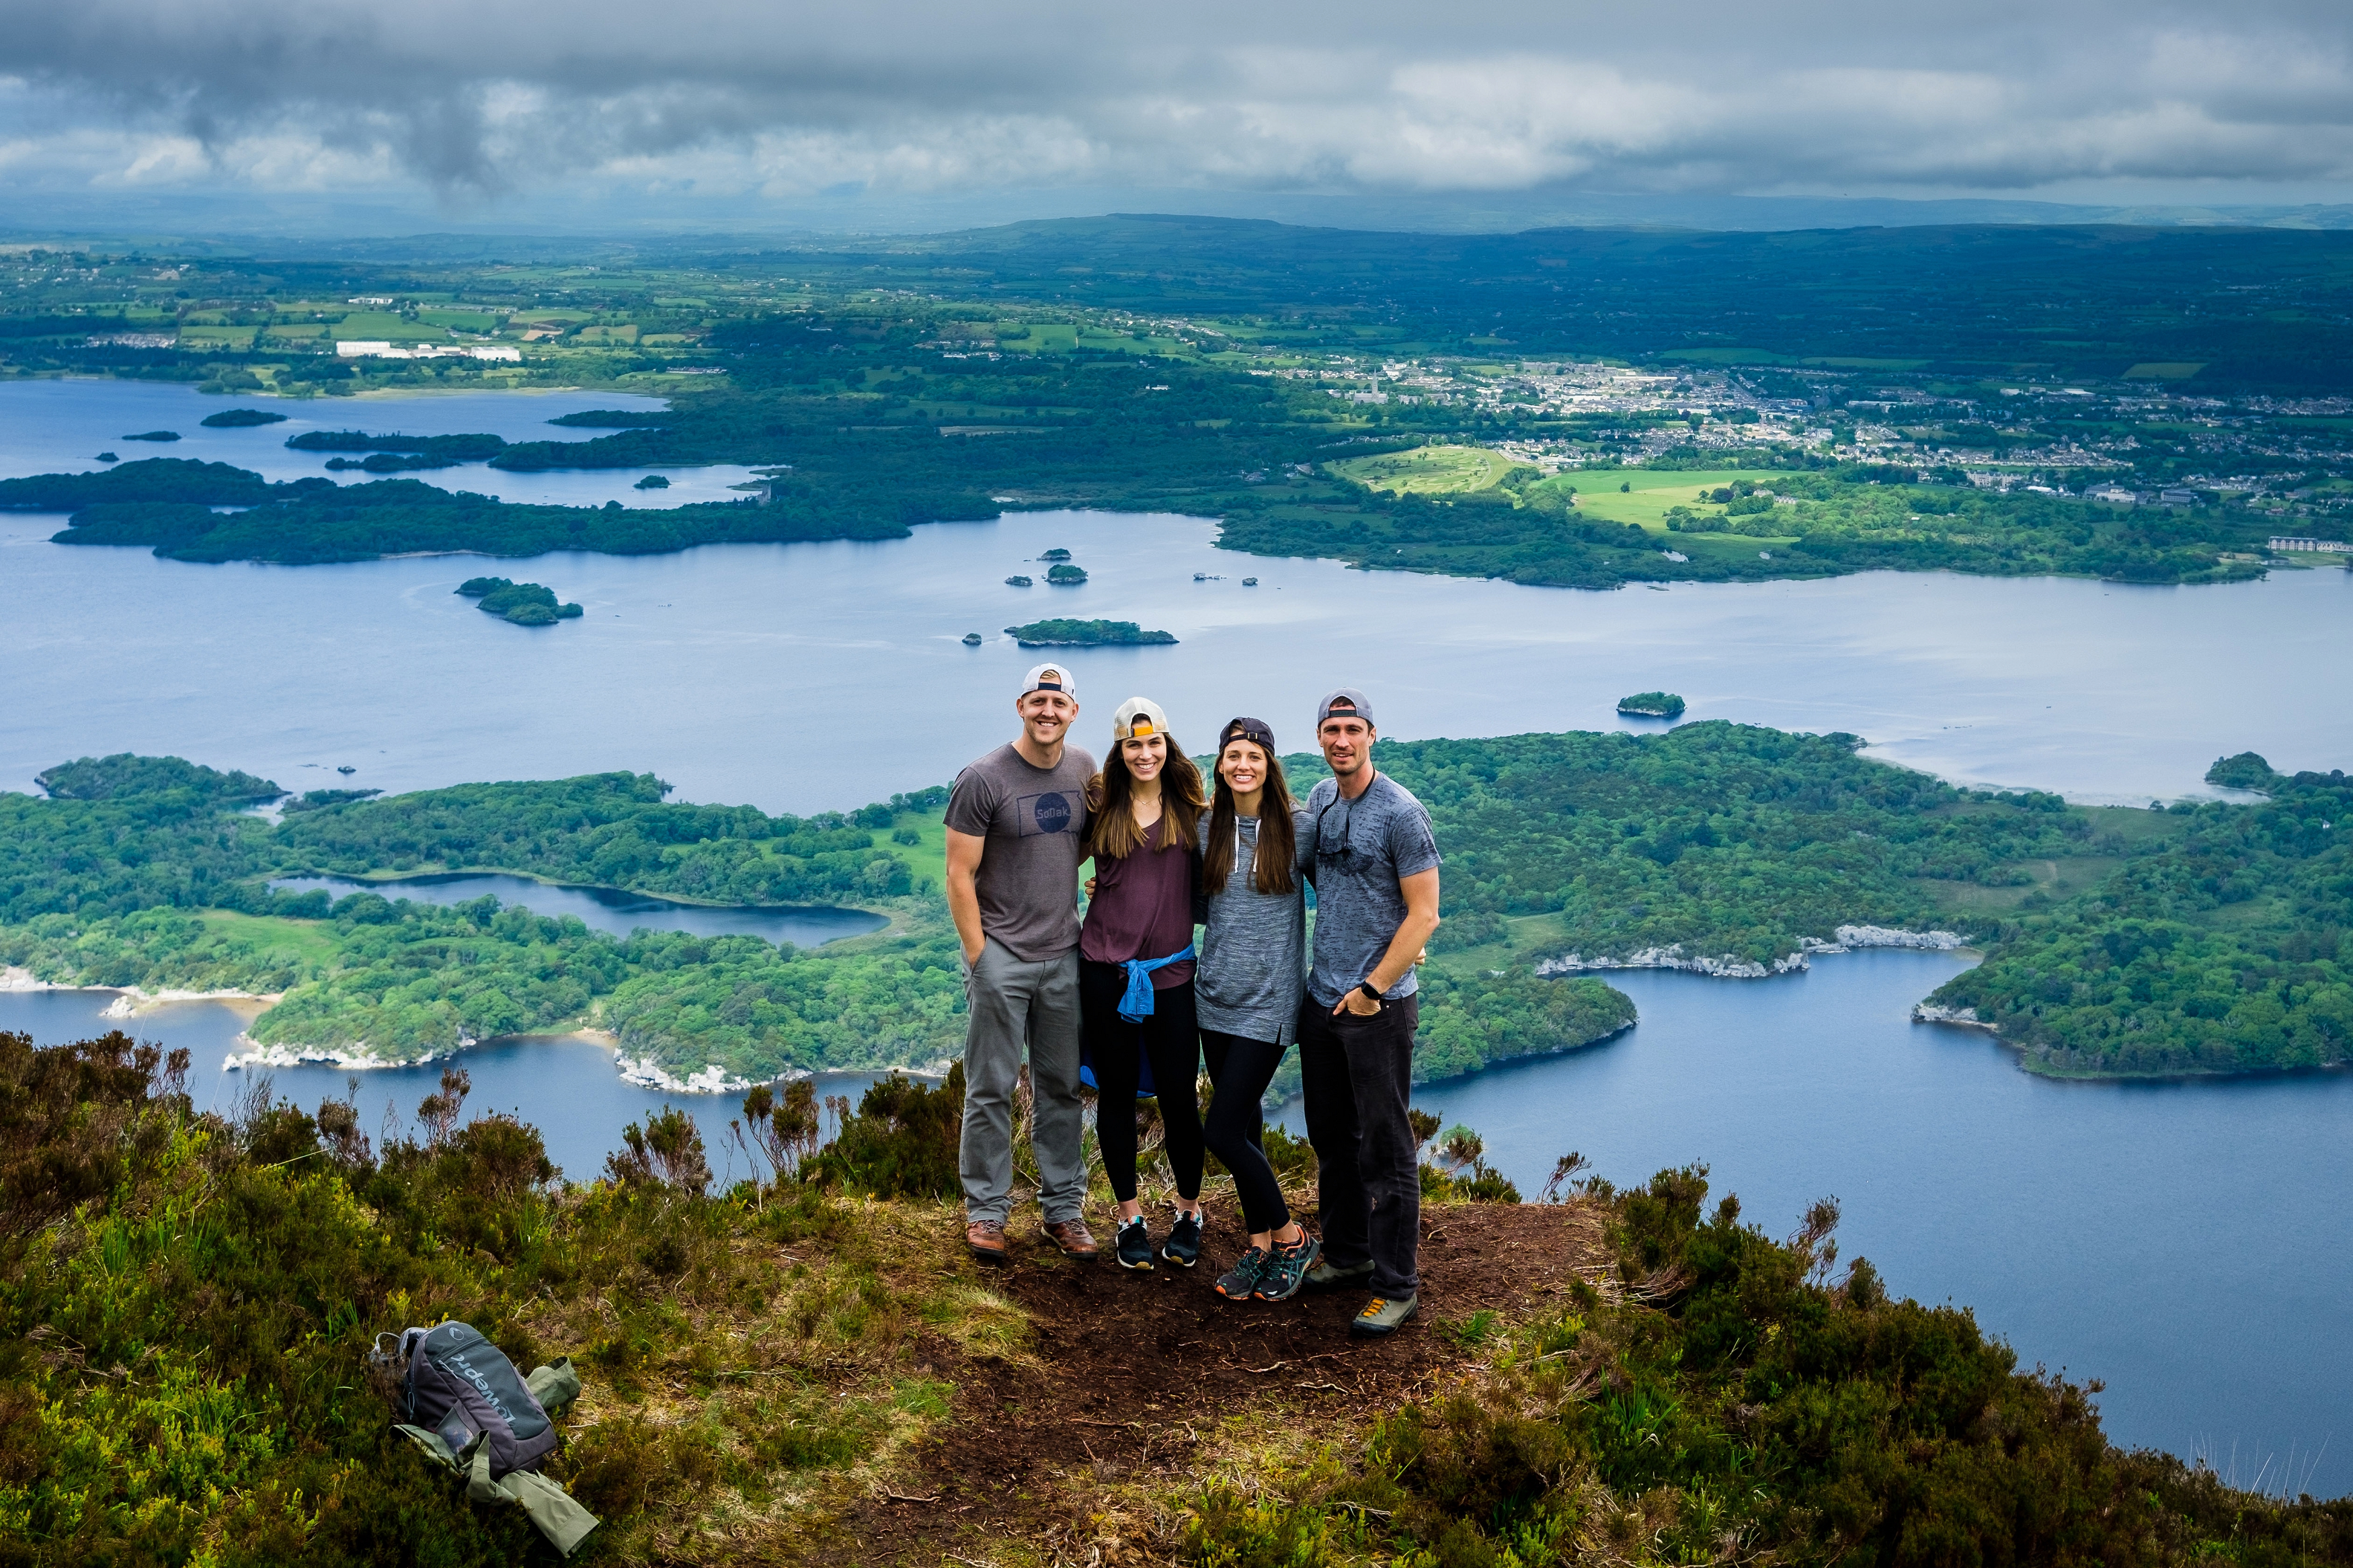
2183	1241
2186	1242
813	676
60	426
610	908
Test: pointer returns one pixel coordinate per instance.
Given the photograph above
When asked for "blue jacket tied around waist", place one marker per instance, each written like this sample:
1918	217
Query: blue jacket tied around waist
1137	1005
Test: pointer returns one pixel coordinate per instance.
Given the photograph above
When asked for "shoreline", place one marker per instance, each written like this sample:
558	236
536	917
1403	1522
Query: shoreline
1725	966
134	1001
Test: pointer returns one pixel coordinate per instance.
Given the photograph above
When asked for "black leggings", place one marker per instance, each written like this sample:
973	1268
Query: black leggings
1118	1047
1242	1070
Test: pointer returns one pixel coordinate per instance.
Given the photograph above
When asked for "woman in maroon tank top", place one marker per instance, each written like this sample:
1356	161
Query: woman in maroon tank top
1136	969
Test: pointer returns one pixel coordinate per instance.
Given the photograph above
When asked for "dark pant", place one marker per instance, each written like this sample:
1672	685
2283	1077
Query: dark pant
1357	1076
1118	1047
1242	1070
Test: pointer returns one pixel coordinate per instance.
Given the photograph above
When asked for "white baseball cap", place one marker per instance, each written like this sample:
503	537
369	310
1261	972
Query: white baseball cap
1137	719
1050	678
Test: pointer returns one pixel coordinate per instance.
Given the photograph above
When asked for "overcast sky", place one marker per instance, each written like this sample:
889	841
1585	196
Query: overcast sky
486	103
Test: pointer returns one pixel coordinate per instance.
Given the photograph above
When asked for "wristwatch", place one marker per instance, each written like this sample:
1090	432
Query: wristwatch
1370	989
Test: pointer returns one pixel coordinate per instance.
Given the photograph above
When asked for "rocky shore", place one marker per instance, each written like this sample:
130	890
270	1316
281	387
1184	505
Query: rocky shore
1726	966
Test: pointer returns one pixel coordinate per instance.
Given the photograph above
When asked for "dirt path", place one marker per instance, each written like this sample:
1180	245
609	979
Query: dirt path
1142	1368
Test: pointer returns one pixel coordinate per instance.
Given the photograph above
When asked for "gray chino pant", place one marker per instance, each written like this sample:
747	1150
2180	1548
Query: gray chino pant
1012	1005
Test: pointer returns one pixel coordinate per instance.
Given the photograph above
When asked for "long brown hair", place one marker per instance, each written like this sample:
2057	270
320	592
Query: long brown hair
1277	847
1112	834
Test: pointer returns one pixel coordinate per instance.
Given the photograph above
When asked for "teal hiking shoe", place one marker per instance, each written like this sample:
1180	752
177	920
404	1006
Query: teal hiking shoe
1329	1276
1286	1269
1239	1282
1384	1315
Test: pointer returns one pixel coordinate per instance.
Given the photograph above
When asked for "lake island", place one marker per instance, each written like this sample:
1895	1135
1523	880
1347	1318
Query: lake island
1087	634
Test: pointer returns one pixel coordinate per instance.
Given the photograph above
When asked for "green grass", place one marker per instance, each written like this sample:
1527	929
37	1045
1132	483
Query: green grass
1654	490
1038	336
366	325
926	858
302	942
1428	470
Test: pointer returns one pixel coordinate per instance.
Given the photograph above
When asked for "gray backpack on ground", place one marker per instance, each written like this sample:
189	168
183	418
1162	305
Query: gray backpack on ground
460	1402
459	1386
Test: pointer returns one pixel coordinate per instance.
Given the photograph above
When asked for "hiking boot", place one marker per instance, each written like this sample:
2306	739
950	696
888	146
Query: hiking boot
985	1237
1240	1282
1330	1276
1384	1315
1073	1239
1182	1246
1286	1269
1132	1247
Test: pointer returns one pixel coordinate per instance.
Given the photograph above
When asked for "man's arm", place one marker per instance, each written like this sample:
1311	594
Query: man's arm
1413	933
964	891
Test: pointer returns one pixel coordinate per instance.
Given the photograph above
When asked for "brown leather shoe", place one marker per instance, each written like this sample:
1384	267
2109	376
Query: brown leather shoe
1072	1238
985	1237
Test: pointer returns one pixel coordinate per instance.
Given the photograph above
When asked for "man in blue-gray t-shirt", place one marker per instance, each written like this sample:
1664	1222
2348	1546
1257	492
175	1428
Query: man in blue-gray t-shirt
1374	863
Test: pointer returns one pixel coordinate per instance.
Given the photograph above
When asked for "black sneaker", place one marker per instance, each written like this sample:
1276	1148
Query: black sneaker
1286	1269
1182	1246
1240	1281
1132	1246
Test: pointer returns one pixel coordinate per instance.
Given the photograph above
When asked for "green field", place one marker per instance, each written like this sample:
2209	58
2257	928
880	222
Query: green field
1428	470
366	325
1653	492
299	942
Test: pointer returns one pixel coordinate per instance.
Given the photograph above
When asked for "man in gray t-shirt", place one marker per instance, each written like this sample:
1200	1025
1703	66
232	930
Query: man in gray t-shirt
1375	866
1016	825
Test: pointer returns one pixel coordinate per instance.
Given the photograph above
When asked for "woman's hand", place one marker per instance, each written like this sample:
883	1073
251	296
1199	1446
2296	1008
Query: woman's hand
1089	886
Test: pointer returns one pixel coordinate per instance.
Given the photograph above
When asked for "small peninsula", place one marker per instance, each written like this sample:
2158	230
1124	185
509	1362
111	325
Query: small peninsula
520	603
1087	634
240	419
396	454
1652	705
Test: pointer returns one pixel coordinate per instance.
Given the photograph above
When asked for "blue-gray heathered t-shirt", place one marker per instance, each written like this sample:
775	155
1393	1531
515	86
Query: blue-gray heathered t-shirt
1358	904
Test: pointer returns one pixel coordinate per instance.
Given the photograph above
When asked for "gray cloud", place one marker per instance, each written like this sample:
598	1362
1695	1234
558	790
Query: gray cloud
733	97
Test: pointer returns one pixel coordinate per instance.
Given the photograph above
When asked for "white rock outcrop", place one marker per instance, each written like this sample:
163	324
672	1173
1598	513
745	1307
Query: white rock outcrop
1727	967
712	1080
1889	936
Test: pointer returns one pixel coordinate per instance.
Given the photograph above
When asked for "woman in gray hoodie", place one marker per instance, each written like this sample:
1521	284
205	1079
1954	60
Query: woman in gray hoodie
1246	986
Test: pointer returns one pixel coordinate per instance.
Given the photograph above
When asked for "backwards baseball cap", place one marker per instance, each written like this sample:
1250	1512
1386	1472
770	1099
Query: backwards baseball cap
1252	730
1347	702
1049	678
1137	719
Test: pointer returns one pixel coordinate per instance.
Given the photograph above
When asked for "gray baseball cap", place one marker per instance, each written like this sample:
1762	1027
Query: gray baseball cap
1348	700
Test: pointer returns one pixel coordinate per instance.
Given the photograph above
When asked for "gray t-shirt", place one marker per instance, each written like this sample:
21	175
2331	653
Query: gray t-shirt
1035	820
1253	946
1358	902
